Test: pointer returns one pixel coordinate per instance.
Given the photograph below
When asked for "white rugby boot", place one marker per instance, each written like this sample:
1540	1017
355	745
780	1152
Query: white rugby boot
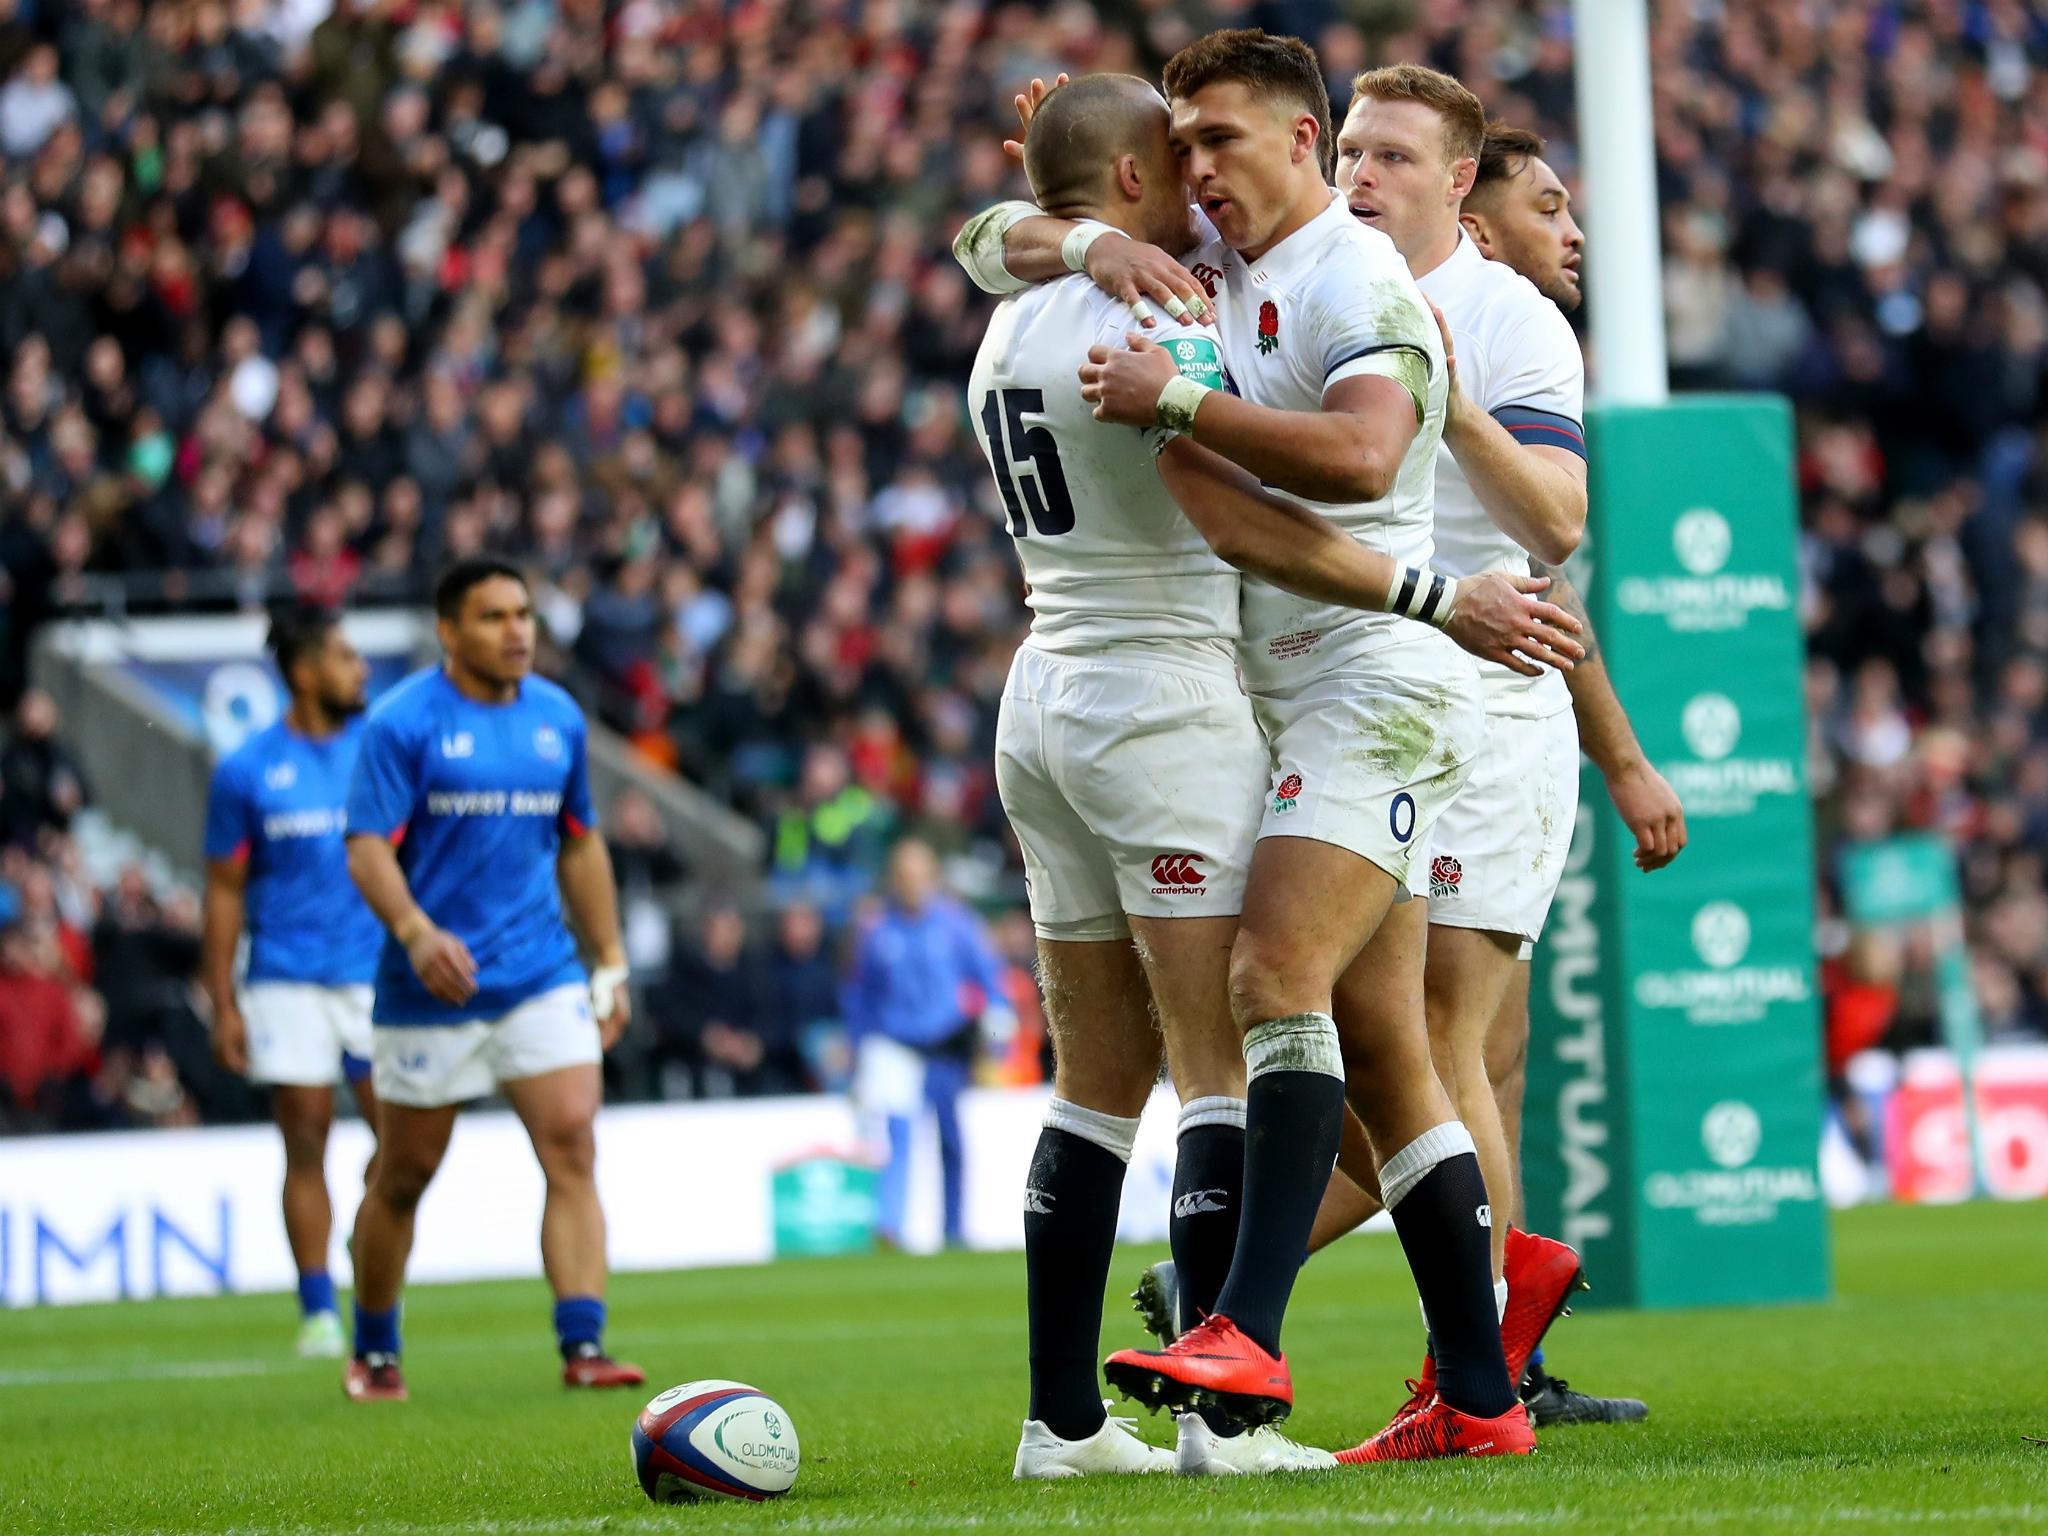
1113	1450
321	1337
1257	1452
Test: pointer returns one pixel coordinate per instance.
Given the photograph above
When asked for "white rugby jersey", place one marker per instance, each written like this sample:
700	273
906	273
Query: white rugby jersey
1518	361
1108	554
1331	301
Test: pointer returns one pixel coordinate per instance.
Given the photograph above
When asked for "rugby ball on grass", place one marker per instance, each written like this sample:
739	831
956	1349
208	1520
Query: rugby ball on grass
714	1440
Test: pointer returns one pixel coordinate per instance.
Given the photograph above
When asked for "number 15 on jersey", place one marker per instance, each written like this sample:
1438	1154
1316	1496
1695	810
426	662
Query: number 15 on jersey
1027	463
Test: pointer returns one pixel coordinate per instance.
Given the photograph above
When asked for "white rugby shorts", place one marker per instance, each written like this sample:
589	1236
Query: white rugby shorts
1368	758
1495	857
429	1066
299	1031
1133	782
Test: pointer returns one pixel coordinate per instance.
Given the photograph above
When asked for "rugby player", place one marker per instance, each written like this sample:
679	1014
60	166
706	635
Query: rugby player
1372	731
1499	851
1131	765
1511	480
469	825
277	868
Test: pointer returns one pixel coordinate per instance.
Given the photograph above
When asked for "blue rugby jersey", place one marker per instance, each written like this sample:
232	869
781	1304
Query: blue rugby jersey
279	802
477	798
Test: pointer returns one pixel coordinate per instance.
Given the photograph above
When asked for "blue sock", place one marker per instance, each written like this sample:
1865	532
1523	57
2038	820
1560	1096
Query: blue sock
316	1292
376	1332
579	1320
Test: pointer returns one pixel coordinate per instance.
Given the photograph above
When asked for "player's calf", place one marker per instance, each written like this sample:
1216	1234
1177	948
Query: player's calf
1071	1196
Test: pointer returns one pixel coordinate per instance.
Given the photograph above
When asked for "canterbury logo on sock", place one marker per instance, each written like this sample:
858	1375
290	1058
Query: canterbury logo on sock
1038	1203
1486	1217
1199	1202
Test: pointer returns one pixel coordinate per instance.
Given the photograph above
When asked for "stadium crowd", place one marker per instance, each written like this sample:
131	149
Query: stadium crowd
312	295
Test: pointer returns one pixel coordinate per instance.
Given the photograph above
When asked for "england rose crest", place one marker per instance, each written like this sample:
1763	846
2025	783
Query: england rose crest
1286	793
1269	327
1444	874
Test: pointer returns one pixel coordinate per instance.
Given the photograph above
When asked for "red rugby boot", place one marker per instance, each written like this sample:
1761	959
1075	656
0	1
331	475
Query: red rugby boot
373	1379
1541	1273
1439	1430
1214	1362
600	1370
1421	1391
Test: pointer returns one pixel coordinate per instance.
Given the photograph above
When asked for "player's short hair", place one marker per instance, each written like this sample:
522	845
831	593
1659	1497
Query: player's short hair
298	633
460	578
1080	130
1503	153
1464	119
1273	66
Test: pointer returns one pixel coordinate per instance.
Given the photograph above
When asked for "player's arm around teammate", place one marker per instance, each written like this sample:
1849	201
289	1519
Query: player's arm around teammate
1492	614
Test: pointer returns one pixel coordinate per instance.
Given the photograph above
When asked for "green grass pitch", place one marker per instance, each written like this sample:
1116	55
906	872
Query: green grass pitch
1903	1404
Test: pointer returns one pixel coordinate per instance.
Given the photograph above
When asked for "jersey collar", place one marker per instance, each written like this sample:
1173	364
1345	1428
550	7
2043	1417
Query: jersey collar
1454	272
1298	253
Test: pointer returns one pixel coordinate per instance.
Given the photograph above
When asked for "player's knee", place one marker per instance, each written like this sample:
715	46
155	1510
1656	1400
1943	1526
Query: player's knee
1507	1055
402	1177
305	1147
1114	1086
1263	981
568	1153
304	1131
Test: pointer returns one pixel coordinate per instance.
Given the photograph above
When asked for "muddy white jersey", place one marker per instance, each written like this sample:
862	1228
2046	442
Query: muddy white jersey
1518	361
1332	301
1109	557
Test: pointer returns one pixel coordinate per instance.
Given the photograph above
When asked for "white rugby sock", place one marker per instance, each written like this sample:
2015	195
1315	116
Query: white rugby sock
1113	1133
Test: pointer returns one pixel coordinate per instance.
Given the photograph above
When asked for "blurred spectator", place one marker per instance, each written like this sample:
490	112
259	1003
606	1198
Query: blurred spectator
803	993
647	870
829	844
42	785
47	1053
923	978
717	1021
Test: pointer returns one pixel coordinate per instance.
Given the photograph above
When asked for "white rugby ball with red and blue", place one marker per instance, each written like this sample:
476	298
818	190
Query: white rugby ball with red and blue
714	1440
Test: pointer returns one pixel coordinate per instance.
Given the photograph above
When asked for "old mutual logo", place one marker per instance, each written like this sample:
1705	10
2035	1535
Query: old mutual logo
1720	932
1708	596
1731	1133
1720	784
1721	988
1732	1193
1701	540
1712	726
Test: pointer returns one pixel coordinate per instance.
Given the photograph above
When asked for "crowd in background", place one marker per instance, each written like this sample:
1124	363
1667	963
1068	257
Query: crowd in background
311	295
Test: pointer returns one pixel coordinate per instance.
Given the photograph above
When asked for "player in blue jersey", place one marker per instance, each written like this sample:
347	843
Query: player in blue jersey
277	866
469	823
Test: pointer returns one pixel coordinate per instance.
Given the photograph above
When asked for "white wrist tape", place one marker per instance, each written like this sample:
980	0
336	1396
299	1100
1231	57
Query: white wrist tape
1178	402
1074	249
1420	593
606	982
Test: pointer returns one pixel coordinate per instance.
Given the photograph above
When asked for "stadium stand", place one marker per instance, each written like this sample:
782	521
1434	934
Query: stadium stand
654	296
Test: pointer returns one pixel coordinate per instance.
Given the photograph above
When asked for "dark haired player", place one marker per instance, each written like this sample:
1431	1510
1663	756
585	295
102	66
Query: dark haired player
277	867
1373	727
469	825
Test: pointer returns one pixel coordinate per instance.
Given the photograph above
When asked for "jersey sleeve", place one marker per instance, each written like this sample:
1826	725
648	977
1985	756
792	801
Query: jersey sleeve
1378	325
385	785
979	246
228	814
1197	354
579	815
1537	385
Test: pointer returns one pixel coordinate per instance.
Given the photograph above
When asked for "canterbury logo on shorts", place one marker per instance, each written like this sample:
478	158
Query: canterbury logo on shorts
1177	873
